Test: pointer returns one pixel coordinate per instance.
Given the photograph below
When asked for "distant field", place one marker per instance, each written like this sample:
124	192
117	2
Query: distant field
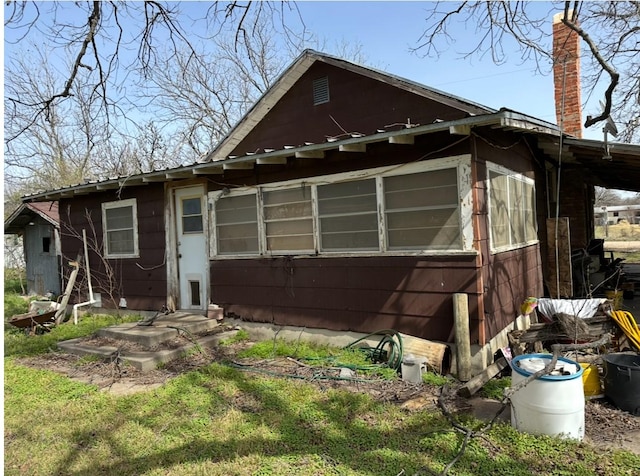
615	235
620	232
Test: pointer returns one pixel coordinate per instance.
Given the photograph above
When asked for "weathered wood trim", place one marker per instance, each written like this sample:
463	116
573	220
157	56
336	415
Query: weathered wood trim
173	283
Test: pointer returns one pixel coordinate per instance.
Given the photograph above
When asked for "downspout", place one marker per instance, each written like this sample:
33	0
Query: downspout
86	260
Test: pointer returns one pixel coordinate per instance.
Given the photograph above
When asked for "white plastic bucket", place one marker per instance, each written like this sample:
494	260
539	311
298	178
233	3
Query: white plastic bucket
413	368
549	405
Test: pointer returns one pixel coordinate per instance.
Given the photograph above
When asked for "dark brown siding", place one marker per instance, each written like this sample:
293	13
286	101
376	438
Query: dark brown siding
366	294
141	281
358	105
508	277
511	277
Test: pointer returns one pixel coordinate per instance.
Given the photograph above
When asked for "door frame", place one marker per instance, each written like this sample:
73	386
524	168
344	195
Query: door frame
173	267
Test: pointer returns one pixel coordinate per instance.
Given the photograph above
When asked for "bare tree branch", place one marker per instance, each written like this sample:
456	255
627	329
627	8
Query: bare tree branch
615	77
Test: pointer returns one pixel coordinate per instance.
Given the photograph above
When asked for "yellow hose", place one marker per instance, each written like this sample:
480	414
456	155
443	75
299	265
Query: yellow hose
629	326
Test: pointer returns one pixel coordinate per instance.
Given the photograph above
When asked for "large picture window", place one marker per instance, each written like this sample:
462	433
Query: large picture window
414	208
120	227
511	209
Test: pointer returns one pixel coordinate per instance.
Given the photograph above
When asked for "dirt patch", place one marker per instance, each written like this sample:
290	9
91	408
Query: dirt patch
605	425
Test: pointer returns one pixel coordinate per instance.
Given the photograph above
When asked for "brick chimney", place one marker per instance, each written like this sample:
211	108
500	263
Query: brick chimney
566	77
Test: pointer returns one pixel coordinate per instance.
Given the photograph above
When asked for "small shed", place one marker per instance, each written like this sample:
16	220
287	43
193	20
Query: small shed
38	224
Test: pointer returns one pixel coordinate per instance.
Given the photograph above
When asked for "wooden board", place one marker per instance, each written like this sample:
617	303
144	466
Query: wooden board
559	274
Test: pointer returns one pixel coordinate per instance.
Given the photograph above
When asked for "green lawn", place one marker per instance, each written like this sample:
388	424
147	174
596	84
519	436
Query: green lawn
221	421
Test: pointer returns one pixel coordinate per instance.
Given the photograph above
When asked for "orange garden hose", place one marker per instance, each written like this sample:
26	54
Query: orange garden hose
629	326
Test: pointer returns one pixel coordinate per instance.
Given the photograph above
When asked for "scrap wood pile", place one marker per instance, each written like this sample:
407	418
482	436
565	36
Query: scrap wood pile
577	321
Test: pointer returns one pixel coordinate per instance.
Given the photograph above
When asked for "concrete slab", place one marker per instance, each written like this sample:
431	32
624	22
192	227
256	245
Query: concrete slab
141	360
162	329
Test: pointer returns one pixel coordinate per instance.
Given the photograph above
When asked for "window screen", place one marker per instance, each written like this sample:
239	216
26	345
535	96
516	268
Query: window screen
120	234
348	216
511	210
288	219
422	210
237	225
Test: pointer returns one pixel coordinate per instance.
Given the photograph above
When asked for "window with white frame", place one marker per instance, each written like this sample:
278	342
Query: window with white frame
348	216
120	228
237	225
423	211
288	220
418	207
512	212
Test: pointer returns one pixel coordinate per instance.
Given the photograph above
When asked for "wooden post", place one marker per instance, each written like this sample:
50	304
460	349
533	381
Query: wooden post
463	341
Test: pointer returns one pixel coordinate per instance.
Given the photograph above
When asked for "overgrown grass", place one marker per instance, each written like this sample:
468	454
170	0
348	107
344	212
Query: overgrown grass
494	388
14	280
432	378
18	343
623	231
240	336
320	355
220	421
14	304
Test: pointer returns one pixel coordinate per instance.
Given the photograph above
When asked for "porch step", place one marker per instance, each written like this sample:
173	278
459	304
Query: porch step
162	329
119	341
141	360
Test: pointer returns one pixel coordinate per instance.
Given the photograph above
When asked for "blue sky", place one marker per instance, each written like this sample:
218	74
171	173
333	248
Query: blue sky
387	30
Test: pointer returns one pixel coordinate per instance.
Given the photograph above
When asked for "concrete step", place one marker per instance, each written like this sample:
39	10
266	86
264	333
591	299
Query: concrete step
141	360
162	329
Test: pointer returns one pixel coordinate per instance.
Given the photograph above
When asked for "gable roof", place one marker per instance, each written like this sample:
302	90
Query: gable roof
300	66
25	213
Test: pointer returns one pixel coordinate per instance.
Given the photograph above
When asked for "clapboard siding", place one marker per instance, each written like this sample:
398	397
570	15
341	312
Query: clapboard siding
412	295
358	104
509	279
142	281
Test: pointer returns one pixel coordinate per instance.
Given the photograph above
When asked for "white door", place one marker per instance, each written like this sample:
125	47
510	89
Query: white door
193	260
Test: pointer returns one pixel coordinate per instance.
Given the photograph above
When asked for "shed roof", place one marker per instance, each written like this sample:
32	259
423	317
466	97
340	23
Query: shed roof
26	212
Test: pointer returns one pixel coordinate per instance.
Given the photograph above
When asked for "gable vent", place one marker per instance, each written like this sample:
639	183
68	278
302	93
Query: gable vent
320	90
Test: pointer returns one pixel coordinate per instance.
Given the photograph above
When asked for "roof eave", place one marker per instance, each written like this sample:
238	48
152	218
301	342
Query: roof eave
502	119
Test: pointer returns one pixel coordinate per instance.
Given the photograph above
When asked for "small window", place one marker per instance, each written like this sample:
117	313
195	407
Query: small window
192	215
120	228
237	225
320	91
348	214
46	244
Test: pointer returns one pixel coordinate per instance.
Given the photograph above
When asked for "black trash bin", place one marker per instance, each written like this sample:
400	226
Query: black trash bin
622	381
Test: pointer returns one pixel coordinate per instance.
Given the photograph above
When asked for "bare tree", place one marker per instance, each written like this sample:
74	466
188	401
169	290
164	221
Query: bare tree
606	196
609	31
104	38
200	99
92	127
58	147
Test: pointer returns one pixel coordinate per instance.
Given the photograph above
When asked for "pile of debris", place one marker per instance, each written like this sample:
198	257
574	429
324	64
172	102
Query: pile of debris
612	370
